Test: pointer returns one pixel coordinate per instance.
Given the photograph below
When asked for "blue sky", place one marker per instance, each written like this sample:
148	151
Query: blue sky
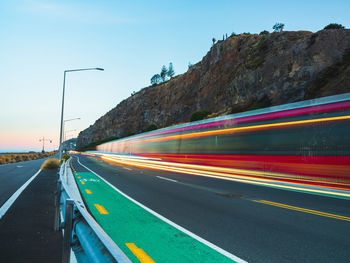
130	39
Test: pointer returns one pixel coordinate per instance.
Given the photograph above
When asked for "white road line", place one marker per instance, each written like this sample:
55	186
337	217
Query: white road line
13	198
126	168
168	179
184	230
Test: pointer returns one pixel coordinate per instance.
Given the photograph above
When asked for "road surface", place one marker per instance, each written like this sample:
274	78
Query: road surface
14	175
254	223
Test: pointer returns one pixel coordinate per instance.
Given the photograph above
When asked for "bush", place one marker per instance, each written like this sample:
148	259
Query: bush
50	164
265	32
200	115
151	127
65	157
334	26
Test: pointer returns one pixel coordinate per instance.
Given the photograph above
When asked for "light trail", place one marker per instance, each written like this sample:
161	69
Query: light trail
224	171
226	176
240	129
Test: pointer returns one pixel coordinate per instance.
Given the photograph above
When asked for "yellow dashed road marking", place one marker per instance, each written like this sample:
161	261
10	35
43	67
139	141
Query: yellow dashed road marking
309	211
101	209
88	191
139	253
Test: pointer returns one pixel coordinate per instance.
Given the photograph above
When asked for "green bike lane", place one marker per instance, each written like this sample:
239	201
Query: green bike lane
143	236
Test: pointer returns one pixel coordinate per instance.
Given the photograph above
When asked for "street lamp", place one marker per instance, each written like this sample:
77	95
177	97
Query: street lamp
64	126
65	133
43	140
64	84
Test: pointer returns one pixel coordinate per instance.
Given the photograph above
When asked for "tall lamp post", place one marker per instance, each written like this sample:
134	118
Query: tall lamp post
64	84
64	126
65	134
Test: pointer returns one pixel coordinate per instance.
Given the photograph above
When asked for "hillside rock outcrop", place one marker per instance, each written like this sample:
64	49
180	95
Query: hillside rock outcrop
242	72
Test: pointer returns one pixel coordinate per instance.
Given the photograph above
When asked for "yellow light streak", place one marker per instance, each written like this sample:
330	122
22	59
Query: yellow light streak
309	211
139	253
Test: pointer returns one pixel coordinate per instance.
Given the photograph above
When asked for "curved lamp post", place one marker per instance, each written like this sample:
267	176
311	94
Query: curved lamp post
64	84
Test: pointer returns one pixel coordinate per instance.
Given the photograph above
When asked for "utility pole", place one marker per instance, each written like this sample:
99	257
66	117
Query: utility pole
43	140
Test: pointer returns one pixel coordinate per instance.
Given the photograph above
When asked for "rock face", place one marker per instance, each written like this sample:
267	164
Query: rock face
242	72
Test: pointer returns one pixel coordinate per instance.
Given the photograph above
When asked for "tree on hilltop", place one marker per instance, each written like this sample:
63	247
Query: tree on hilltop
334	26
278	27
156	79
214	40
171	71
163	73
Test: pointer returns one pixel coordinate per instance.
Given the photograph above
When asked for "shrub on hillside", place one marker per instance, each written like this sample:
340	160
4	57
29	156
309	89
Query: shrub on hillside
200	115
334	26
151	127
265	32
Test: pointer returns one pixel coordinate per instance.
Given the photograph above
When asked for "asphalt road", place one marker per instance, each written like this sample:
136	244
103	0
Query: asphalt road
226	213
14	175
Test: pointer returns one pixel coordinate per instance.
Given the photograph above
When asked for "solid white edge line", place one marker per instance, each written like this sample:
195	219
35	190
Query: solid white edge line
13	198
184	230
168	179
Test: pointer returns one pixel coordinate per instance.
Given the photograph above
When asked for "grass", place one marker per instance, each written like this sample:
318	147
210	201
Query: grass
21	157
50	164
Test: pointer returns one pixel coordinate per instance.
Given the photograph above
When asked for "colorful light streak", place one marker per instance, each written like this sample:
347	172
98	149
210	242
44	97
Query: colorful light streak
240	129
266	116
318	157
193	170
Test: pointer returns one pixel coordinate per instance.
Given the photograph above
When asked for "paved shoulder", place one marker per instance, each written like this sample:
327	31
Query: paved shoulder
26	230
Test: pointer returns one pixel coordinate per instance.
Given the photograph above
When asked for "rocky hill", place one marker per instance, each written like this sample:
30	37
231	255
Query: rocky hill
240	73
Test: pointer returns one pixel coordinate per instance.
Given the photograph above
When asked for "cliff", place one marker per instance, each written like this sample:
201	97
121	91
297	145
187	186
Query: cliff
240	73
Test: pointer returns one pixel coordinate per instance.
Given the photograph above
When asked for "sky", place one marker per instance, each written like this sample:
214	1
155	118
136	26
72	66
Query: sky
131	40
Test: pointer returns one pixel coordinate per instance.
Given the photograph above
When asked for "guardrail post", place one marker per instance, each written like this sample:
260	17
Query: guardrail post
68	226
57	206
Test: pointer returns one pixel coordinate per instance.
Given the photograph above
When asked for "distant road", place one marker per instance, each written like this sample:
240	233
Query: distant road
257	224
14	175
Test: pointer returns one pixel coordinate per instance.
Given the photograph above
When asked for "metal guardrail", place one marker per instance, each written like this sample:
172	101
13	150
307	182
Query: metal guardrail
81	233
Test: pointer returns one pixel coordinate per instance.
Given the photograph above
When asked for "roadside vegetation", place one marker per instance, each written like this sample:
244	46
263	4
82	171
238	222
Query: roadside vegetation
50	164
21	157
65	157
